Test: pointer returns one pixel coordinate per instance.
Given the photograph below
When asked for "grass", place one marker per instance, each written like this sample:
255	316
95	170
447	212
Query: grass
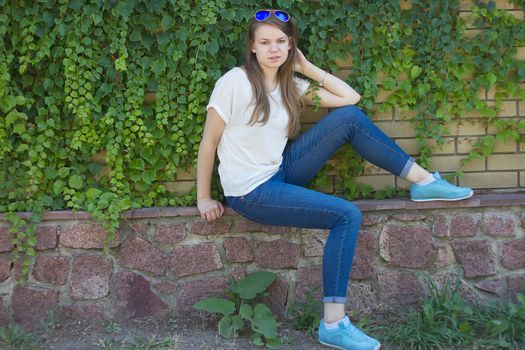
14	337
138	344
446	321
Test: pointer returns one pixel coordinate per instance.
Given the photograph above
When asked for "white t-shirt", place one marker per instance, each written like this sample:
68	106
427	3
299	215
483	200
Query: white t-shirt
248	155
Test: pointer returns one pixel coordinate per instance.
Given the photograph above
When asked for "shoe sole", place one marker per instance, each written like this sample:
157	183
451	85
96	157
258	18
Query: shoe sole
442	199
337	347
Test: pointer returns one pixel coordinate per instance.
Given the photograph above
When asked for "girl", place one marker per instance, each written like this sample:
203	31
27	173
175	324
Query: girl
253	112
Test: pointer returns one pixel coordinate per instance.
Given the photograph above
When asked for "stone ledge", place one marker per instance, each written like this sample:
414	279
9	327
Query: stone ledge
477	201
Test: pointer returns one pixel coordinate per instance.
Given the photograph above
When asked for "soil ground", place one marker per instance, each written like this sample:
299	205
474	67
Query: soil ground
195	334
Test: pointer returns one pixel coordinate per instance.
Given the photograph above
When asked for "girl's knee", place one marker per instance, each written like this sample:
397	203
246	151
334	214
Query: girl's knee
353	214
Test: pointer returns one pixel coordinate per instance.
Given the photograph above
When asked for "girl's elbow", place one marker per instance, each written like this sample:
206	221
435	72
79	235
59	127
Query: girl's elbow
354	99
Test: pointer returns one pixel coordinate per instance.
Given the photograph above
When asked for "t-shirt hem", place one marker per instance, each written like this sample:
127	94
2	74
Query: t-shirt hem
251	188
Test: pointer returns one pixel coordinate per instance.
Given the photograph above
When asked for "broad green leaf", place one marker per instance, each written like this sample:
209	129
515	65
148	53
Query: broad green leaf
253	284
264	321
216	305
246	311
273	343
75	182
58	186
93	193
225	327
415	72
388	83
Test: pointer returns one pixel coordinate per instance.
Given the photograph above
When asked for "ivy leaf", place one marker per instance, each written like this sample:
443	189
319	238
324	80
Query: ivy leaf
75	182
58	186
125	8
93	194
158	66
155	5
6	103
388	83
415	71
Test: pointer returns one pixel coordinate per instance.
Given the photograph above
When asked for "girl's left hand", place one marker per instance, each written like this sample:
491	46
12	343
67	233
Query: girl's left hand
300	62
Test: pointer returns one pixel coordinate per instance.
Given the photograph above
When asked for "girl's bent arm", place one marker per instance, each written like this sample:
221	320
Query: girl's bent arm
209	208
335	93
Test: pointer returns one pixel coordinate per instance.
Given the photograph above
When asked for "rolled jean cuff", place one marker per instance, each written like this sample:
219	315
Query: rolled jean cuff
337	300
406	168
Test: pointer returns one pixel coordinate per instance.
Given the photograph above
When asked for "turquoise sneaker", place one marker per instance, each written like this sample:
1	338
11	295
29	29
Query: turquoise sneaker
346	337
439	190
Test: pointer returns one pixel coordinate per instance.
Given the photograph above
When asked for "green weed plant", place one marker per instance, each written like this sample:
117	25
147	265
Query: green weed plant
240	309
447	321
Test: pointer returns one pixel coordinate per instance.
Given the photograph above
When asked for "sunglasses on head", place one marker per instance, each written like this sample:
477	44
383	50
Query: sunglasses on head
263	15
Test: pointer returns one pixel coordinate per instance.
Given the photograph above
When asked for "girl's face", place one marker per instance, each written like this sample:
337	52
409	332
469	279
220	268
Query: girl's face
271	46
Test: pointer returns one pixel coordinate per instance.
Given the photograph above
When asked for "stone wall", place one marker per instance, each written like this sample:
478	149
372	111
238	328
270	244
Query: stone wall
166	259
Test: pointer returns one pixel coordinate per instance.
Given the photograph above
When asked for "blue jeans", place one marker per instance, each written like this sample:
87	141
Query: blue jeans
283	201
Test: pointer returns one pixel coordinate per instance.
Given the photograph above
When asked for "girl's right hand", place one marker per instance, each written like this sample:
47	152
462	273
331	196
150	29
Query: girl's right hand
210	209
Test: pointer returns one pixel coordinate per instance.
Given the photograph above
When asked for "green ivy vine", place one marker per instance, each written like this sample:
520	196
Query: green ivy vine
79	129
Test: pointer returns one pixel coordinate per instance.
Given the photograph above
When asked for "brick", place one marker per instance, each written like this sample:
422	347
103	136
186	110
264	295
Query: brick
506	162
139	227
194	291
5	240
408	216
85	235
31	305
186	174
51	269
134	298
372	219
205	228
397	129
169	232
278	295
489	180
137	253
5	269
47	237
237	249
513	253
400	289
452	163
444	257
407	246
277	254
180	187
314	241
476	257
197	258
515	285
309	278
166	287
310	116
465	225
466	128
244	226
376	181
499	224
90	276
370	169
492	286
238	273
506	146
363	263
386	115
92	311
360	298
441	226
465	144
522	179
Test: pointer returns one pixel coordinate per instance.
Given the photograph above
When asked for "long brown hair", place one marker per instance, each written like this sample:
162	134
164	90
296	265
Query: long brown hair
289	91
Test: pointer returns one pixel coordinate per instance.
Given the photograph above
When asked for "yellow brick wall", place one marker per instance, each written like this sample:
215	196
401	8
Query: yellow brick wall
505	169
